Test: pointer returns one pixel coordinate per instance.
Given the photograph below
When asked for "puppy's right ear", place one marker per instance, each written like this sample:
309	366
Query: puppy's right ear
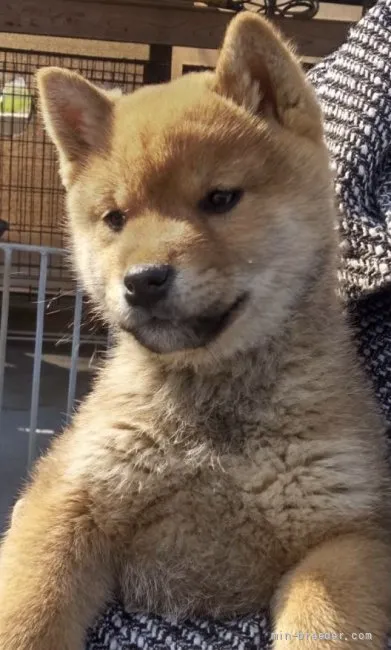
77	117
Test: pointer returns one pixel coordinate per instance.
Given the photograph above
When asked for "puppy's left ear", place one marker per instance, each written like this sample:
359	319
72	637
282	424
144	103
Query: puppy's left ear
257	70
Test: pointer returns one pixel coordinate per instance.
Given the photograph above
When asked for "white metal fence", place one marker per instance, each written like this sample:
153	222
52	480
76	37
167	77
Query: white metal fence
9	251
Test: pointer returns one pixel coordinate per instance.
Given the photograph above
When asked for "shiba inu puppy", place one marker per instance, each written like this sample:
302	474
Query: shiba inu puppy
230	454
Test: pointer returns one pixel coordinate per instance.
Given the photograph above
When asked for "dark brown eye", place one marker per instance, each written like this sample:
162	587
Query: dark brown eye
115	220
220	201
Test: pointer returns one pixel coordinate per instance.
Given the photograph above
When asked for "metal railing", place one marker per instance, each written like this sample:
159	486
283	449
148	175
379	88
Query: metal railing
5	287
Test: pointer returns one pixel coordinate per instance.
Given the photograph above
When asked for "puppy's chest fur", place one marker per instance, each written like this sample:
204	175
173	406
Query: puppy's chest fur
220	538
207	513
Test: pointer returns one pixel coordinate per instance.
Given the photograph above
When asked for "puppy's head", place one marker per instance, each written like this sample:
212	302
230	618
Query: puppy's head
198	208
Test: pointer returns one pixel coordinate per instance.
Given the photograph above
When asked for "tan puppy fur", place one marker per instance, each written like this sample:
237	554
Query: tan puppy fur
230	453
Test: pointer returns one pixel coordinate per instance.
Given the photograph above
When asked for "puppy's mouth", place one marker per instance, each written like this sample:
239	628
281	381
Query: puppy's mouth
164	335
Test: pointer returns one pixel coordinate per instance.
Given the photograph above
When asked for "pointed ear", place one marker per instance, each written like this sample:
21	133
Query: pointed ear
77	116
257	70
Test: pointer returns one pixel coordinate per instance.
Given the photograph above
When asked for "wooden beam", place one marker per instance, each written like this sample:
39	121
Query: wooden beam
199	27
158	68
316	37
167	4
112	21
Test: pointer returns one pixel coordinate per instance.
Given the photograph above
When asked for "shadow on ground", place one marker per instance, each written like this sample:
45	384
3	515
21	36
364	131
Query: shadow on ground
14	423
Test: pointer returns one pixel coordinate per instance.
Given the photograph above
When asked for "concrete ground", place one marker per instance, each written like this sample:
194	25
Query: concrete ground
14	422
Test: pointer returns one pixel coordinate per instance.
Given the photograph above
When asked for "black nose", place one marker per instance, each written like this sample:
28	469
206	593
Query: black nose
147	284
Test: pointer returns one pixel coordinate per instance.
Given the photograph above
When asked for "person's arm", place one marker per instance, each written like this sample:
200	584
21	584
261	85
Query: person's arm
354	89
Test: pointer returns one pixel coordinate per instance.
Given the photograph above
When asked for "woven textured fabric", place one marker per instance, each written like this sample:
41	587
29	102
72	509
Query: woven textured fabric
371	319
121	631
354	87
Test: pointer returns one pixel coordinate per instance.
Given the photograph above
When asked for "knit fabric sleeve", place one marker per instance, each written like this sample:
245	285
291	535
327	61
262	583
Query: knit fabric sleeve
354	89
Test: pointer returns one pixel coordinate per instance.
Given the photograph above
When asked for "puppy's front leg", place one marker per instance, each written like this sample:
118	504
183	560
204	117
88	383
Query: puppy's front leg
54	570
337	598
